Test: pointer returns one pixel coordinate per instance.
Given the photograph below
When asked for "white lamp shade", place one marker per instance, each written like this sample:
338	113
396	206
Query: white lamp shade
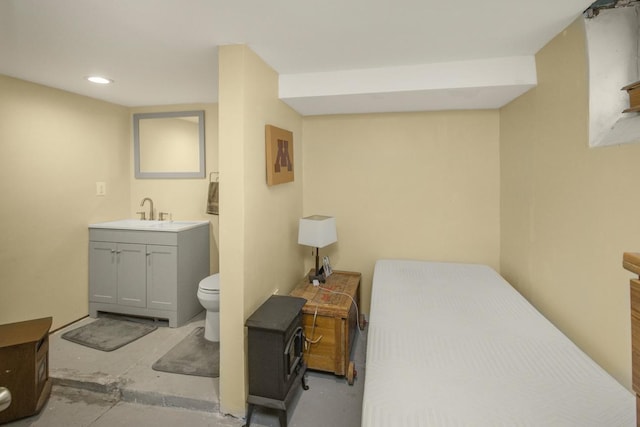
317	231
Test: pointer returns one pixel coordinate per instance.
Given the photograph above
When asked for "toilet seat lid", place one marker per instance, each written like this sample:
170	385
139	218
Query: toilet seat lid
210	283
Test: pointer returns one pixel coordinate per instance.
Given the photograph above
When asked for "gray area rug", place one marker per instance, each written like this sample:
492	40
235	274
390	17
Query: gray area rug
108	334
194	355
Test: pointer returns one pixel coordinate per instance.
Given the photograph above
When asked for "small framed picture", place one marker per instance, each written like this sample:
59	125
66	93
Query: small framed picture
327	266
279	155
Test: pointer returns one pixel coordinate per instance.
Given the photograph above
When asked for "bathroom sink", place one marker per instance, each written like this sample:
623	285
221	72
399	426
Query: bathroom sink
148	225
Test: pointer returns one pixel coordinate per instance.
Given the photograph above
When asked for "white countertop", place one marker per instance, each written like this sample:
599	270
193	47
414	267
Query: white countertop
149	225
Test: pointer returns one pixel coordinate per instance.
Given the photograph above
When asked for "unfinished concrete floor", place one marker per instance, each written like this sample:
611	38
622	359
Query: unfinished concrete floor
96	388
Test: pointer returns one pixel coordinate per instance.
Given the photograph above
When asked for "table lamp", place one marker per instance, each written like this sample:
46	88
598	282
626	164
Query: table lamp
317	231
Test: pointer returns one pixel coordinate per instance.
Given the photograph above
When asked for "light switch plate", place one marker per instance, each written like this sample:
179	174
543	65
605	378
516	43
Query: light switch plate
101	189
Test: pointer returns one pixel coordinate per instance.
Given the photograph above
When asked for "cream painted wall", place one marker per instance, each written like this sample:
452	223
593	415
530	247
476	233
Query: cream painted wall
54	147
259	251
568	211
415	185
185	199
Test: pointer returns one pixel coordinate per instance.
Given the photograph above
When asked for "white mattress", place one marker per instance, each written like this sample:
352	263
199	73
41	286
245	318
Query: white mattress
456	345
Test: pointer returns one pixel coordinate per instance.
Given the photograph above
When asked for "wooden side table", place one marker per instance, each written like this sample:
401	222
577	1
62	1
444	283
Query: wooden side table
631	262
24	366
330	319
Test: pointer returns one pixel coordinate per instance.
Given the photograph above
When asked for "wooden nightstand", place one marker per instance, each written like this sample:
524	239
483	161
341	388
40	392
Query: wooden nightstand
330	338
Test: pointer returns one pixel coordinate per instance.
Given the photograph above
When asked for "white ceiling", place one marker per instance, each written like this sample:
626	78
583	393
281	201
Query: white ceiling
333	56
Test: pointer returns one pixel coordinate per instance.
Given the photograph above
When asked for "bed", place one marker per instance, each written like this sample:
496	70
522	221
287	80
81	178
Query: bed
455	345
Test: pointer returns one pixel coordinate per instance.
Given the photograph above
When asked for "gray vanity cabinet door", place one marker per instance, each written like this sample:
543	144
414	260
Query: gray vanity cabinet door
102	272
132	275
162	277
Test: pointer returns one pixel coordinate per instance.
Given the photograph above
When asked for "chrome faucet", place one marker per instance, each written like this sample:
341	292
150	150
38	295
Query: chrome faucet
150	206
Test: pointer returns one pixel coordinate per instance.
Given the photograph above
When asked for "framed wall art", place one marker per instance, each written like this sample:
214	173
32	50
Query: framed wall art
279	146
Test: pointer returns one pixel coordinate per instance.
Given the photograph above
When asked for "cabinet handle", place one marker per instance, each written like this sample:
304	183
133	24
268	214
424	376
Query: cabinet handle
113	251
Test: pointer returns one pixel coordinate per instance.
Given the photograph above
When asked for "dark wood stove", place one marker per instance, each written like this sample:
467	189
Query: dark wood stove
276	340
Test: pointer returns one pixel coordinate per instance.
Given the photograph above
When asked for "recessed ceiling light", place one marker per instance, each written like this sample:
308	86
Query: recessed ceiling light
99	80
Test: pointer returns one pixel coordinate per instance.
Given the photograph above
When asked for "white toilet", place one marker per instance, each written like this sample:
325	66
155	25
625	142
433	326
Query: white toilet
209	297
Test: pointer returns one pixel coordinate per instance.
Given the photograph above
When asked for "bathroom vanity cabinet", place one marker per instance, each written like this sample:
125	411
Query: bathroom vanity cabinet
148	272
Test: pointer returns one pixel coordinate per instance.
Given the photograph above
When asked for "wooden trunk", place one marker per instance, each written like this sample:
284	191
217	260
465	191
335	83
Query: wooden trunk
330	336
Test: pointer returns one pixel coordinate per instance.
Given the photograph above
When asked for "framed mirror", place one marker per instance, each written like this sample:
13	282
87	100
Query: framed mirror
169	144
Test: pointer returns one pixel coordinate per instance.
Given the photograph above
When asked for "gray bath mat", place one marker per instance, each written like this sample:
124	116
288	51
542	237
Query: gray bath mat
108	334
194	355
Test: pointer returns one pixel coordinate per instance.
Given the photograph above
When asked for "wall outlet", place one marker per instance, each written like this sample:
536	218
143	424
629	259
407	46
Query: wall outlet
101	189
